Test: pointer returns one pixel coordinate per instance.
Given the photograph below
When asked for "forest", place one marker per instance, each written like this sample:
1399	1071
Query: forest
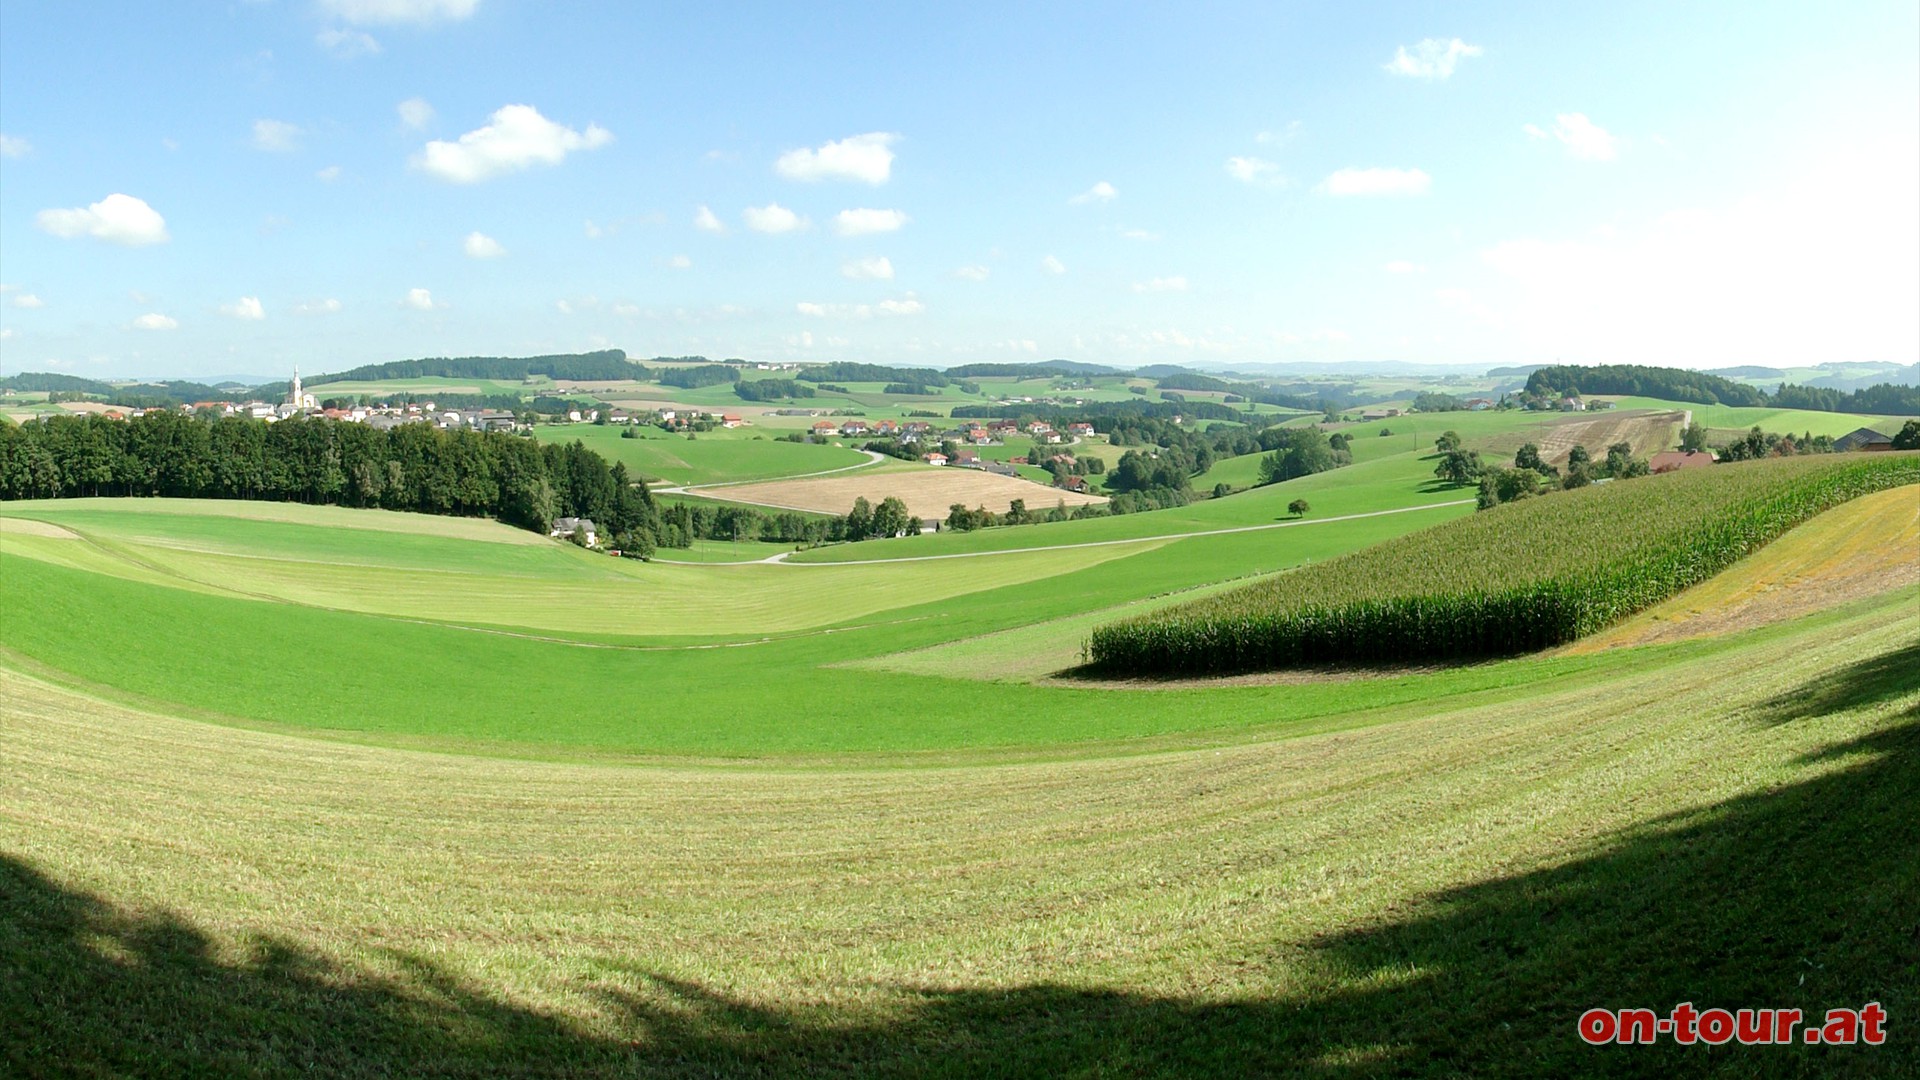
415	467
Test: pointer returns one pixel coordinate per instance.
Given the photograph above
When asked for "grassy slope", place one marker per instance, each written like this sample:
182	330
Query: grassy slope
709	458
1725	419
1440	895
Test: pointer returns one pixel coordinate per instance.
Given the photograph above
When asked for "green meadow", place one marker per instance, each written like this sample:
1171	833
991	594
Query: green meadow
746	453
297	790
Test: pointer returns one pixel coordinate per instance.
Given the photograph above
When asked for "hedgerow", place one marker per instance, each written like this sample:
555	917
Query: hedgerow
1513	579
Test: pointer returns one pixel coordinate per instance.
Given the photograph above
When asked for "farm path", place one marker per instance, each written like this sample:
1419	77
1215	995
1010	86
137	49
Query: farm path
782	557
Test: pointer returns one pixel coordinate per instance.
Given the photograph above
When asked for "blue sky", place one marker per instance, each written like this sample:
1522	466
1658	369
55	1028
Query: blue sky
202	189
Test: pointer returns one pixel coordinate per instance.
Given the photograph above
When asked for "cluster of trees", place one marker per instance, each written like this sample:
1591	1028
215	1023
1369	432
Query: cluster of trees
1674	384
847	371
693	377
1429	401
1530	474
771	389
682	523
1303	451
964	520
605	365
911	389
1037	370
1756	444
1885	398
415	467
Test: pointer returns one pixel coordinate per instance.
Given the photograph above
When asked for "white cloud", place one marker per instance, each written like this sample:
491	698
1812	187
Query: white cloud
705	221
772	218
1253	170
14	146
415	113
1583	138
516	137
1052	265
246	309
1100	192
863	222
328	174
347	44
1138	234
27	300
801	340
910	305
1377	182
1402	266
275	136
479	245
389	12
680	262
6	333
867	158
121	219
1434	58
419	300
153	320
975	272
329	306
873	268
1161	284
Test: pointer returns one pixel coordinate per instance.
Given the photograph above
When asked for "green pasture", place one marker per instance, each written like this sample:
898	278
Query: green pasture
1431	876
709	457
1727	420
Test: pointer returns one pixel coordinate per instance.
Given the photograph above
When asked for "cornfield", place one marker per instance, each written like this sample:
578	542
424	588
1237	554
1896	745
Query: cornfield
1513	579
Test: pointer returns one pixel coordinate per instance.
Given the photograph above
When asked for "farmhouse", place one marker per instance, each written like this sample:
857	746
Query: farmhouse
1862	439
1572	403
853	427
567	527
935	458
826	428
1379	414
1674	460
1071	483
966	459
730	420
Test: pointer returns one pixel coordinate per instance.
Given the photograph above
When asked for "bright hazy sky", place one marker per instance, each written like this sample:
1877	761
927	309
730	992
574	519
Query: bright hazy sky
208	188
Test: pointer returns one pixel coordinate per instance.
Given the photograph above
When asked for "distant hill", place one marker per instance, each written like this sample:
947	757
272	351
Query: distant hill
1747	371
1037	369
44	381
1518	371
605	365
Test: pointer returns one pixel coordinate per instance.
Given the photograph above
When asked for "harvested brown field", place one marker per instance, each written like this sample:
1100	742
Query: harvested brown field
1647	431
928	492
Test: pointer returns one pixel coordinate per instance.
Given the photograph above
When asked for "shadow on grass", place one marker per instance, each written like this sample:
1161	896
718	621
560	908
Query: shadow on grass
1807	896
1863	683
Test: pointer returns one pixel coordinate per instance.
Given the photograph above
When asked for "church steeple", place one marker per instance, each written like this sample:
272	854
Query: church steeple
295	398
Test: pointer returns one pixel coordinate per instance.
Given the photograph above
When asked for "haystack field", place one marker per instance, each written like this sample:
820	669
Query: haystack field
928	492
1648	433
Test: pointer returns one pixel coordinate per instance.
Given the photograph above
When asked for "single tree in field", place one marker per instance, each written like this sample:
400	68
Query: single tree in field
1694	438
889	518
1448	442
860	519
1529	458
1459	467
1298	508
1908	437
1578	457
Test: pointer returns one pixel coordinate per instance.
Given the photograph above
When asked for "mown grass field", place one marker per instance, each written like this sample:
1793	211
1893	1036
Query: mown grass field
1442	890
710	457
309	791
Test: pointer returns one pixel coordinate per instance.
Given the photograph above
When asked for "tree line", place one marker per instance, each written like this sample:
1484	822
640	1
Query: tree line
415	467
1698	387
